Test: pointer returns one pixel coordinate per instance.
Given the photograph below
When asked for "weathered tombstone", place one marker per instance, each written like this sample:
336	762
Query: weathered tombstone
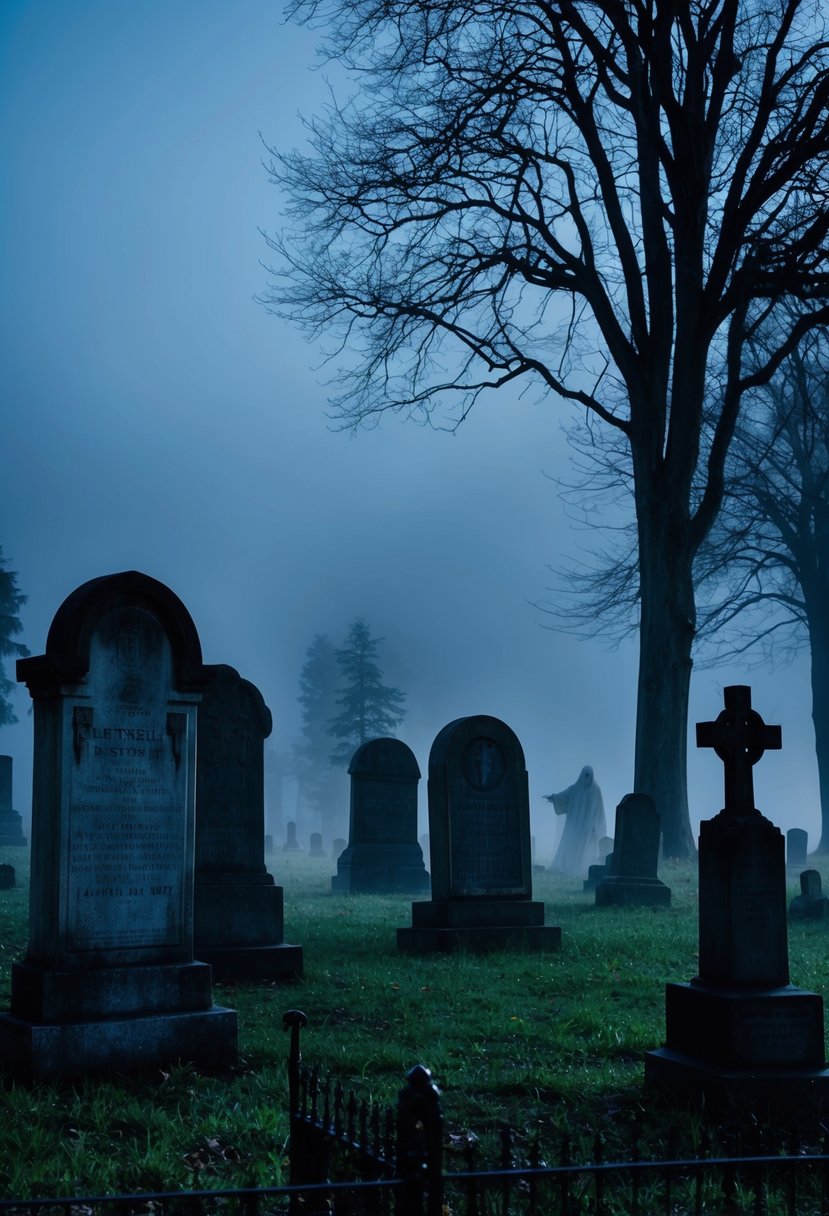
291	844
739	1034
238	909
109	981
316	849
7	877
632	880
269	846
479	828
11	824
797	843
811	903
338	846
382	854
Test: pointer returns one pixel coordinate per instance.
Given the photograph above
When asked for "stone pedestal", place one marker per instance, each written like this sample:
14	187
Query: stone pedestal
739	1035
444	926
238	929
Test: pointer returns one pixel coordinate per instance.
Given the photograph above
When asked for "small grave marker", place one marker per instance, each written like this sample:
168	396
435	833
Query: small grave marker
633	880
382	854
11	824
797	844
811	903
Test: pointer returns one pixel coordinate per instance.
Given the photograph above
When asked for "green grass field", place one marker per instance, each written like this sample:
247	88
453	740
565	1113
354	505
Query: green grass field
542	1042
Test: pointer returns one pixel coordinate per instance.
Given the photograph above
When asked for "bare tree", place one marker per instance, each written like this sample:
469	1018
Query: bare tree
766	561
604	196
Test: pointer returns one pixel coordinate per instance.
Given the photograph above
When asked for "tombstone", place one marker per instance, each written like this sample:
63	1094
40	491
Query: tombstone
269	846
739	1035
7	877
811	903
109	982
11	824
238	909
338	846
630	878
797	841
599	871
316	849
382	855
291	844
479	828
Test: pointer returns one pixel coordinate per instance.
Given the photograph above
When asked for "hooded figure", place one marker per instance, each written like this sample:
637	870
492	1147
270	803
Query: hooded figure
584	825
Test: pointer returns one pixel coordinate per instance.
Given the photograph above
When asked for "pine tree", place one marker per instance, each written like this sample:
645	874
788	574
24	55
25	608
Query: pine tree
317	692
11	602
368	709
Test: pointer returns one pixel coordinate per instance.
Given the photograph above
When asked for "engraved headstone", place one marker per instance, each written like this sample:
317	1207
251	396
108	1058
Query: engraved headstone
291	844
479	830
739	1034
811	903
632	880
383	854
238	918
109	981
797	843
7	877
11	824
316	849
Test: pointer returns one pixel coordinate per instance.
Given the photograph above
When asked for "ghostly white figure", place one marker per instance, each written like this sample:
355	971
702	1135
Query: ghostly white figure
584	825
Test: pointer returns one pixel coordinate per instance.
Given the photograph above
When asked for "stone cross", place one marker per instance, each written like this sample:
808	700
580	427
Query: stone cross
739	736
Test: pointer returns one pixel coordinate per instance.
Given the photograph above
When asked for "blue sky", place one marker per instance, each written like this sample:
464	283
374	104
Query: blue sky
155	417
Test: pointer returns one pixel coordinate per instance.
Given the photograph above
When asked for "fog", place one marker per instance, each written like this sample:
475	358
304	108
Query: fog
155	417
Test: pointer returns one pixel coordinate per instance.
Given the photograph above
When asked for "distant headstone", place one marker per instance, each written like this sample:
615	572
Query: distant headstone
7	877
109	981
632	880
269	846
601	870
797	842
316	849
238	909
291	844
811	903
11	824
739	1035
479	829
338	846
382	854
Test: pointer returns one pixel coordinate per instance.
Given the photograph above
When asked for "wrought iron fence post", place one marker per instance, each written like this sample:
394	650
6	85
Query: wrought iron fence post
419	1145
294	1020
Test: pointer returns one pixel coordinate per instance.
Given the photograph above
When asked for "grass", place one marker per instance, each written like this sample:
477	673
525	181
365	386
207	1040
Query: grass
542	1042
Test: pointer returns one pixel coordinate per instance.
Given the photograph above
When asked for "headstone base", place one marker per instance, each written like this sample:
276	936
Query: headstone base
620	891
488	924
57	995
722	1091
11	830
254	964
38	1052
238	928
381	870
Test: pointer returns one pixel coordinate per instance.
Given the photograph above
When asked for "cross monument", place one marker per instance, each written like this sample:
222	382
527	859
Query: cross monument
739	736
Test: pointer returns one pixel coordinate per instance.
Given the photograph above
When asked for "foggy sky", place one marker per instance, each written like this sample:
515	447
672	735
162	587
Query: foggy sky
156	418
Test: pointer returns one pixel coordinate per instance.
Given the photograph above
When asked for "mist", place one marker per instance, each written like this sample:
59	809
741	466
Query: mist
156	417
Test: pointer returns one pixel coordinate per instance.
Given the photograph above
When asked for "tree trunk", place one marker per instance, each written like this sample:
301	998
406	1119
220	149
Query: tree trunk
818	620
666	633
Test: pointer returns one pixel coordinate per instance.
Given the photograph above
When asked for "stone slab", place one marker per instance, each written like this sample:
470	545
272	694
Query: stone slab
618	891
535	938
776	1027
723	1091
50	994
476	914
255	964
37	1053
